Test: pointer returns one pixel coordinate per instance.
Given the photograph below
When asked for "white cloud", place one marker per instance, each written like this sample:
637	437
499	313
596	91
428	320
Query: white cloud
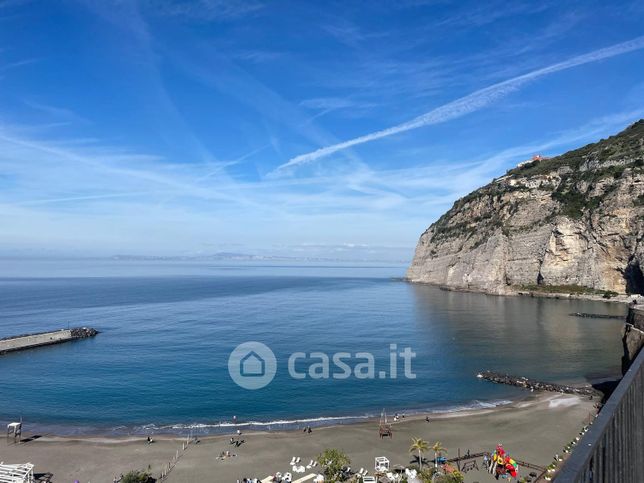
69	195
470	103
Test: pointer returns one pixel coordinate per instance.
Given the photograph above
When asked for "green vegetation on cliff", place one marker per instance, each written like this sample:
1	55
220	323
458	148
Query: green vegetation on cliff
627	144
571	179
581	169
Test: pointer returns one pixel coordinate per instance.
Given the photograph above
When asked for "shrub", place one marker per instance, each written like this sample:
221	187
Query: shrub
572	202
639	201
137	477
433	475
333	461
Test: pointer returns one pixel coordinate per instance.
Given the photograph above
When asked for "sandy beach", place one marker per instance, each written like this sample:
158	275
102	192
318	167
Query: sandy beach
532	430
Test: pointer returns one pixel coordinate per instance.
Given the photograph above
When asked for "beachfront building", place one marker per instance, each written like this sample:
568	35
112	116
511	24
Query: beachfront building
17	473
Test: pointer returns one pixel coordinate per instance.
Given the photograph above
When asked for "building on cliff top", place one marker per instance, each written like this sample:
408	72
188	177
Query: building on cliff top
534	160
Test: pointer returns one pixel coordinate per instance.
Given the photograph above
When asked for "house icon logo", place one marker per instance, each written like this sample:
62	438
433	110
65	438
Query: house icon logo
252	365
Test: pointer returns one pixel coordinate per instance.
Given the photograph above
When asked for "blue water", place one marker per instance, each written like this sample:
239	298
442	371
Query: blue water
167	329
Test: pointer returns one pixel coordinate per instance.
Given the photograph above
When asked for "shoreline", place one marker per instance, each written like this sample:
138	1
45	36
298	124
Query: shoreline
533	430
527	402
530	400
617	299
228	428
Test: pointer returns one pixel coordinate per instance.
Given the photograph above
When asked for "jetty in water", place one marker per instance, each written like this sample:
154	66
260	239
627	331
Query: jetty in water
533	385
598	316
30	341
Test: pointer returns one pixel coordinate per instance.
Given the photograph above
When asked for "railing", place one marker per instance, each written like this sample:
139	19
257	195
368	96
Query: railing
613	448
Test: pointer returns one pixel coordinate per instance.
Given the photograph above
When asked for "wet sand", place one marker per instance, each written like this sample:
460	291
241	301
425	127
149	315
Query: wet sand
532	430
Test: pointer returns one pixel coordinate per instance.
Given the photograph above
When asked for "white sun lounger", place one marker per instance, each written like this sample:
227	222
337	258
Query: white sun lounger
305	478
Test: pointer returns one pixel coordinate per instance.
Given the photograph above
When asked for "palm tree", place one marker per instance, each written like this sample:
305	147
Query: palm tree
417	444
437	448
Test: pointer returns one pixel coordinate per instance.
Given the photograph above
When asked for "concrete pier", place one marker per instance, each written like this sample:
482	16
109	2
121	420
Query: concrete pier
29	341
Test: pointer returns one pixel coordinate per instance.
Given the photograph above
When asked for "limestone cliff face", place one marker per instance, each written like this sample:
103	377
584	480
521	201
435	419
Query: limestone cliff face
573	220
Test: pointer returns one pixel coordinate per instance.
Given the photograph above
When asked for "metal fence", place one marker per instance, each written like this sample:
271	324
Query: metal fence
613	448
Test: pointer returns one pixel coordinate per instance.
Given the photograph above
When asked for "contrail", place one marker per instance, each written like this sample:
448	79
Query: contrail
470	103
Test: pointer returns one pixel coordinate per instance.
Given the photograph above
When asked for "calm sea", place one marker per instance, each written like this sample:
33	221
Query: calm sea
167	329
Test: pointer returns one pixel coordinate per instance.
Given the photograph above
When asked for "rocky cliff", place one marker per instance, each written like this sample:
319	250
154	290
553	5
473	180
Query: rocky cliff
573	223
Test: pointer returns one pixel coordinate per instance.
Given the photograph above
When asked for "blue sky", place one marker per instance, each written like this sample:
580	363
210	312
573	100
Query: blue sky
336	129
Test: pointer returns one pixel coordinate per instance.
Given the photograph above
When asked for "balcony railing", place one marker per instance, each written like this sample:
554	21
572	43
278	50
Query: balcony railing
612	451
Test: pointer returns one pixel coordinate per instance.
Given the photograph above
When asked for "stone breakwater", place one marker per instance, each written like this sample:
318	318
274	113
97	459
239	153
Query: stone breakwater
534	385
597	316
83	332
30	341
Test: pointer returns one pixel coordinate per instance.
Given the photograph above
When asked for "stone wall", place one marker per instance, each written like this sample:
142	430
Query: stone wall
633	339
